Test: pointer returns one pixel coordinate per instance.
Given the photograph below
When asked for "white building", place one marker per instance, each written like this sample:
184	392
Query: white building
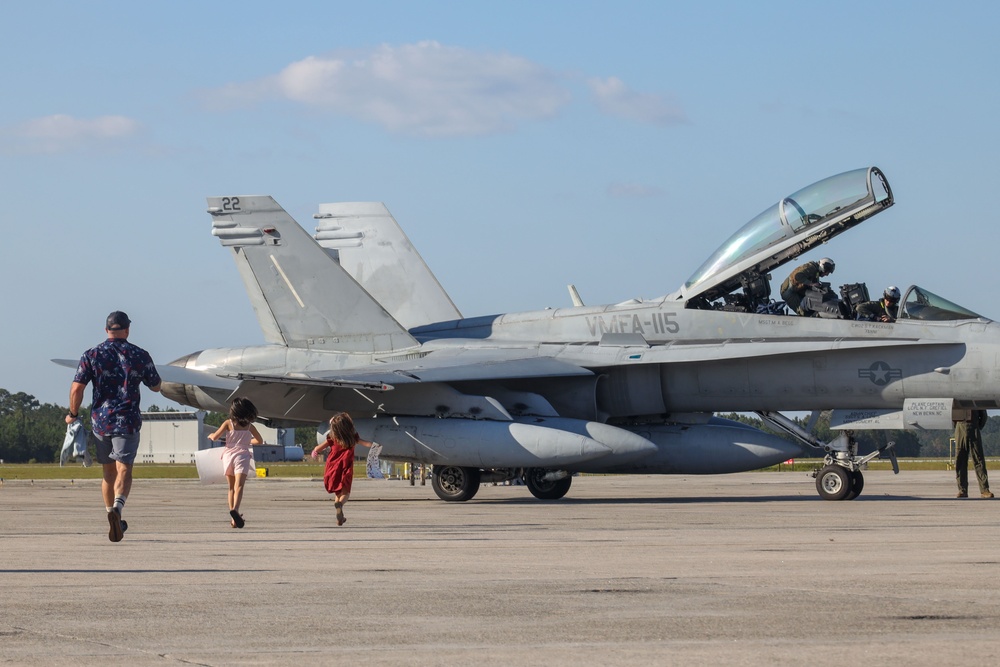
174	437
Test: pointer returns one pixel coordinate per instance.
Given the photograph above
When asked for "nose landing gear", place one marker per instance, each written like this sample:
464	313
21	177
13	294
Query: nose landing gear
840	478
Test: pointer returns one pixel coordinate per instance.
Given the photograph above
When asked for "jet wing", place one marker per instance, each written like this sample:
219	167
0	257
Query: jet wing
413	387
177	375
191	376
472	365
435	385
460	366
484	365
295	397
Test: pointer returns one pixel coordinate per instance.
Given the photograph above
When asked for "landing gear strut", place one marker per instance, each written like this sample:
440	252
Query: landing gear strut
840	477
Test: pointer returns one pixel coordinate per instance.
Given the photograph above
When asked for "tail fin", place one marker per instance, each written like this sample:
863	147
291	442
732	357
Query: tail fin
301	296
369	244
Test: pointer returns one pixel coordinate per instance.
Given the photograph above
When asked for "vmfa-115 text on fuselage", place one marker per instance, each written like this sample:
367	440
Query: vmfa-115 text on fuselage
355	321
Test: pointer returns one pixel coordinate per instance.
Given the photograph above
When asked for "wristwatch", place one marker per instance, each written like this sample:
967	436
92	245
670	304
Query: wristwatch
72	416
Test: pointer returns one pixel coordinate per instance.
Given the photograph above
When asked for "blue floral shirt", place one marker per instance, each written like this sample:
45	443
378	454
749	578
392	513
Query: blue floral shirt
116	367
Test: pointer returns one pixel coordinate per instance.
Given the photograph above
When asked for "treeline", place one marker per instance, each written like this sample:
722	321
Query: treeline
33	432
30	431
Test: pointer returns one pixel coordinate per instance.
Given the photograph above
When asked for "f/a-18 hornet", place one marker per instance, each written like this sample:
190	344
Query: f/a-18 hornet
354	321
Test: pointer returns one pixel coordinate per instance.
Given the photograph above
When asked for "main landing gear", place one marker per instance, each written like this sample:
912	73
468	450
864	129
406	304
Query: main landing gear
840	478
455	483
458	484
547	484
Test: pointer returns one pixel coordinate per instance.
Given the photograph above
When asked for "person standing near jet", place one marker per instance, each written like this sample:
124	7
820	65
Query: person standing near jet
969	439
115	367
883	310
803	278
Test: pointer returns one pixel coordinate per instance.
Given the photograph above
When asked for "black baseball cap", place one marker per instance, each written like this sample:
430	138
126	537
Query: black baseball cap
117	321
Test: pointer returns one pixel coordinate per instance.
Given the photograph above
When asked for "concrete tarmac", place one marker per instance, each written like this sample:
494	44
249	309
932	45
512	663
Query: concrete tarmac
746	569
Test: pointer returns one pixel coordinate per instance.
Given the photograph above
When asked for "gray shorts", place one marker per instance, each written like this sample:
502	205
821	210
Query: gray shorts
111	448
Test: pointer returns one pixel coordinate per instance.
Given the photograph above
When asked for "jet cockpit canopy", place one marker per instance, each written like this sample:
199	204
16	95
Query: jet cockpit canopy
794	225
921	304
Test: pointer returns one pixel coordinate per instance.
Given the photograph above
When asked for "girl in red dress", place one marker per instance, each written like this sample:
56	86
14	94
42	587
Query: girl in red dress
340	462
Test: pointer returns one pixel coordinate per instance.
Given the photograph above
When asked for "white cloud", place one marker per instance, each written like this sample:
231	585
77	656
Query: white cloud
422	89
61	132
633	190
614	98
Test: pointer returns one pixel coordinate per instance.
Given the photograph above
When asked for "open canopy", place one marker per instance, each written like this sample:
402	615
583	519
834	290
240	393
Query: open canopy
797	223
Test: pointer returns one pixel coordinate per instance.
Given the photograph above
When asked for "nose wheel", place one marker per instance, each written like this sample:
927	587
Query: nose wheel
840	478
835	482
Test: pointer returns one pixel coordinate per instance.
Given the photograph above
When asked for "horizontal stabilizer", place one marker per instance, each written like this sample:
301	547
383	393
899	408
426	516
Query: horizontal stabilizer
190	376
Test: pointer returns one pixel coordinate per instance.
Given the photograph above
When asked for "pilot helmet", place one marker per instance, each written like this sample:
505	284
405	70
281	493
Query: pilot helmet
891	293
826	265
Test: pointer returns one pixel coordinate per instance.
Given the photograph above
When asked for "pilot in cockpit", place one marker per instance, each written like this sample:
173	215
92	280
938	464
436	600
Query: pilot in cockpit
802	279
883	310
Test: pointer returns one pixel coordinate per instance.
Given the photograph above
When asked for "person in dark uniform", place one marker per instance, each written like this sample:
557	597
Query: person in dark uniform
969	439
883	310
801	279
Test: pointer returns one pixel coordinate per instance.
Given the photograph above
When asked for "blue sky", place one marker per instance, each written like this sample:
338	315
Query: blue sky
521	145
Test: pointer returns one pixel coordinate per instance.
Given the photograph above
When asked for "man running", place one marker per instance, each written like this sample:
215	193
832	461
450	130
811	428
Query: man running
115	367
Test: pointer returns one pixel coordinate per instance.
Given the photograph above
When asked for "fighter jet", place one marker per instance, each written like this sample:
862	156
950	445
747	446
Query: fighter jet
623	388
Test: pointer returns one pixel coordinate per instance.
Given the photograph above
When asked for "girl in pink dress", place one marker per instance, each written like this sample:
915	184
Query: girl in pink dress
240	435
339	472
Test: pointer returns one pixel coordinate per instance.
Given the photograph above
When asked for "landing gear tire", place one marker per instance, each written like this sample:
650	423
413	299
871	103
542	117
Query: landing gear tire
834	482
454	483
857	483
543	489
